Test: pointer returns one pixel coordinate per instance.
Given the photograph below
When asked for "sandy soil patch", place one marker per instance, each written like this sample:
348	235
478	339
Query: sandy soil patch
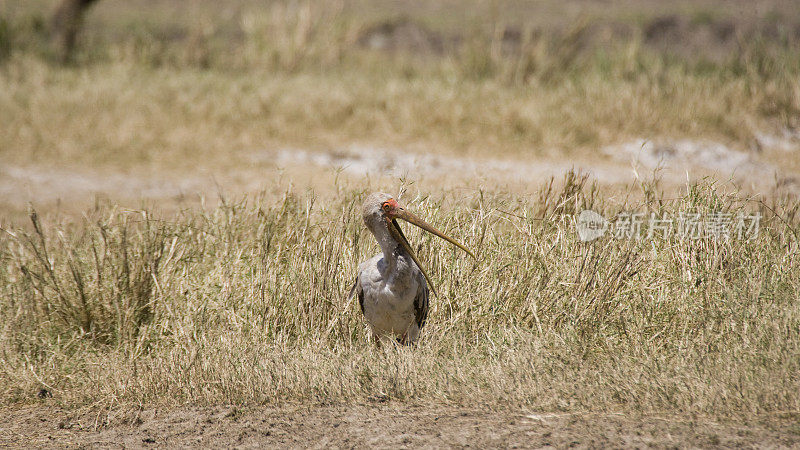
73	189
374	426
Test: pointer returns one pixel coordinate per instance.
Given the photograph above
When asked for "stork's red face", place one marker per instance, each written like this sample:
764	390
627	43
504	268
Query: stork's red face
391	209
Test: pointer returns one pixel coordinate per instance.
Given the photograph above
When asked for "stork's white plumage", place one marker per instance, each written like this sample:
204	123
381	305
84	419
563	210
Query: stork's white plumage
392	286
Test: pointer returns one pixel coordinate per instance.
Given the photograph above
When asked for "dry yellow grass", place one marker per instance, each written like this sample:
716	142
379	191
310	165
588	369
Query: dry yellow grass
246	304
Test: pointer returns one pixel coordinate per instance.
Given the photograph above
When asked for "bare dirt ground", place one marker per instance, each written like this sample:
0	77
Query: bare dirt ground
73	189
374	426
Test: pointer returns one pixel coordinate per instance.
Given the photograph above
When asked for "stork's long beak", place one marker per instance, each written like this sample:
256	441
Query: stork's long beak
413	219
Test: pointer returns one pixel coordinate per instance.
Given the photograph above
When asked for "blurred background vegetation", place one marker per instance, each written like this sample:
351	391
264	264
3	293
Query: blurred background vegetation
744	51
512	40
164	87
158	91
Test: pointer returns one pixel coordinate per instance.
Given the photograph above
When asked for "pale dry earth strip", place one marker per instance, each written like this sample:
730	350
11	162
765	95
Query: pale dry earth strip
383	425
674	161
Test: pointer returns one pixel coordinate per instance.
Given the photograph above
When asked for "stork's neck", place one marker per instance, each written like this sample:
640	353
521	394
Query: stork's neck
390	247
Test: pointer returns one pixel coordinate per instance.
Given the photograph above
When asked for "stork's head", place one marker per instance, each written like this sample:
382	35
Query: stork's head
380	208
381	212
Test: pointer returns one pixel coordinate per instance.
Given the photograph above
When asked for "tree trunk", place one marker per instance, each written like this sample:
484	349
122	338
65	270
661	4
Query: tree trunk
65	25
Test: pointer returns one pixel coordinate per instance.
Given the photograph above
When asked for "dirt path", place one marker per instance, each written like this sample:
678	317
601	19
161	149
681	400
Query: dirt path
370	426
74	188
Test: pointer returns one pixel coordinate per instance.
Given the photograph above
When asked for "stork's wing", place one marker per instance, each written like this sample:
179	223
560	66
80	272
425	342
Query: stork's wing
357	289
360	292
421	301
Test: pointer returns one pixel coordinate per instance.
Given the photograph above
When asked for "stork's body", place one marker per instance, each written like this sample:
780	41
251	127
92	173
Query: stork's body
393	294
392	287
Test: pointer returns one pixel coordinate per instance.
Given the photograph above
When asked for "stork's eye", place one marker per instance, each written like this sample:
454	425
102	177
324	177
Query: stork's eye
386	207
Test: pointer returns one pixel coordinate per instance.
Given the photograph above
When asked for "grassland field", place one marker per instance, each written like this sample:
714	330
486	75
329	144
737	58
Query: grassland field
179	220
